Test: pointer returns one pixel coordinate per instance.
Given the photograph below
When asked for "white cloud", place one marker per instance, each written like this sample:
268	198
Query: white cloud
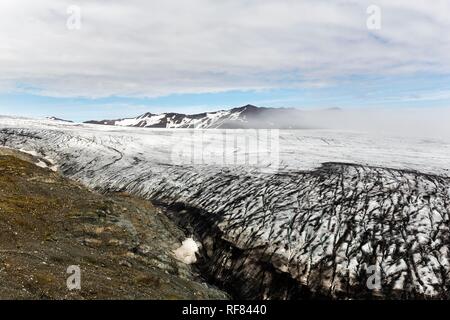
158	47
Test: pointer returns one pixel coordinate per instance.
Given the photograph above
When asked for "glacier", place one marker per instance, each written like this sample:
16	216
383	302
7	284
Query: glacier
314	221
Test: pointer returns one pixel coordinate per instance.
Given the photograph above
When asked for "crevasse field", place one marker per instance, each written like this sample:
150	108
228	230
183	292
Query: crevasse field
323	208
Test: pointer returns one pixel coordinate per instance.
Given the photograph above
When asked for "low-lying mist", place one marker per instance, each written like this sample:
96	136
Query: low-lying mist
418	122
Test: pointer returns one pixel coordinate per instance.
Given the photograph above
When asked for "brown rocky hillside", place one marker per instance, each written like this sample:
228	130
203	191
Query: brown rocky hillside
123	245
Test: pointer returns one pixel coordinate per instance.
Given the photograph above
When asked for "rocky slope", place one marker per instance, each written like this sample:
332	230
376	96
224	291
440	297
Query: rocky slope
123	246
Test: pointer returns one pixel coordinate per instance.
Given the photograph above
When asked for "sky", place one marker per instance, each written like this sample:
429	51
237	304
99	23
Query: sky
94	59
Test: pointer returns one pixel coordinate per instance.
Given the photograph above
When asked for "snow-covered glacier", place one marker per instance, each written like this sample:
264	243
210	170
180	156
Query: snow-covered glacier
318	213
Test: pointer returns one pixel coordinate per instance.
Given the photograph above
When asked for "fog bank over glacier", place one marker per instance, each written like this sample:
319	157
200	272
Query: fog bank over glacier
416	122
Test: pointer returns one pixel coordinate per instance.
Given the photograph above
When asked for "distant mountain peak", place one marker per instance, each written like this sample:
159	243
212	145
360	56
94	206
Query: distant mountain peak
58	119
146	115
250	106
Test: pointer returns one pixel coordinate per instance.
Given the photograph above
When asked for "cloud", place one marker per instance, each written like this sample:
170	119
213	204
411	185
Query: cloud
158	47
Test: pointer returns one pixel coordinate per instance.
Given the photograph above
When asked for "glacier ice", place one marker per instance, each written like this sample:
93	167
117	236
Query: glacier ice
335	203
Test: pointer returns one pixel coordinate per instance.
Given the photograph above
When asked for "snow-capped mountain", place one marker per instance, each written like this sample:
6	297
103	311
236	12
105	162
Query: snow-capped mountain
245	117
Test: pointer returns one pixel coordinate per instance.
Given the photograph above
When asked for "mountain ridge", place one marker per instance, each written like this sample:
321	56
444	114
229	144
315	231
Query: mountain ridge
245	117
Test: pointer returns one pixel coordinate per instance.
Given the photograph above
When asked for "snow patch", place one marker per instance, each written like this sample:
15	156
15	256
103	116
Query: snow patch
186	253
30	152
41	164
